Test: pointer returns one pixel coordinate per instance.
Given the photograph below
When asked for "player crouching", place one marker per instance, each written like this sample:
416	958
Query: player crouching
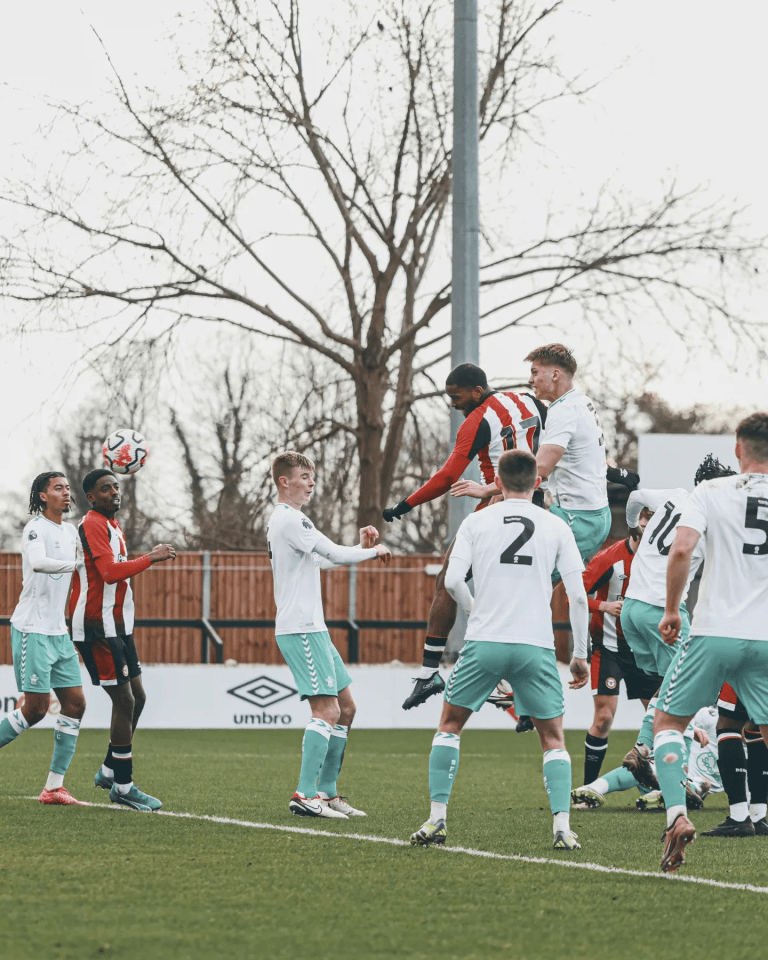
512	547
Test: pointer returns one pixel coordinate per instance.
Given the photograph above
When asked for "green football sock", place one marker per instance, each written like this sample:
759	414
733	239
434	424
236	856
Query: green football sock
670	755
12	726
557	780
619	779
314	748
443	764
645	735
334	758
64	743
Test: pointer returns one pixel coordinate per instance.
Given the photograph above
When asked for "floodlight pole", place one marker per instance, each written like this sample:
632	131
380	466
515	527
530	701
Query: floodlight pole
465	282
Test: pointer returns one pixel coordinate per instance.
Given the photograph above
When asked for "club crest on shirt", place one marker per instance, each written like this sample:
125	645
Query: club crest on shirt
306	523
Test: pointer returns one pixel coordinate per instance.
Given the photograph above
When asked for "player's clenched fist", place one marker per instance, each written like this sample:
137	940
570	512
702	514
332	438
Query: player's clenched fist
399	510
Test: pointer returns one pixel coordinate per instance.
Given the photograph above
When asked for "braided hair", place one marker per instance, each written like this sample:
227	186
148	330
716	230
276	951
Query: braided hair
40	485
710	468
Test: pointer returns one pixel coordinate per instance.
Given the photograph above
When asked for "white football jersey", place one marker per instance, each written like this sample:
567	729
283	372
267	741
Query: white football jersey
731	514
41	606
513	547
579	477
649	568
295	571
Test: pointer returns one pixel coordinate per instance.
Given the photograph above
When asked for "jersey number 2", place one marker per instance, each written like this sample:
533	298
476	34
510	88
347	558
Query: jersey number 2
510	555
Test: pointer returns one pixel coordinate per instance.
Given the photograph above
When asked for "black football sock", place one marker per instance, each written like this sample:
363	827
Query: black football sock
732	764
434	648
122	763
594	754
757	766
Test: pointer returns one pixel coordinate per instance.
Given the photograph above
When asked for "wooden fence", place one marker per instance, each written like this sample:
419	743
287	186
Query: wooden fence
241	589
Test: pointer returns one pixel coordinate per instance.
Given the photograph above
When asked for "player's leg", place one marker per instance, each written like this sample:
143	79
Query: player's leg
539	693
112	662
749	680
692	682
66	681
314	670
478	669
442	616
31	665
327	788
757	777
606	676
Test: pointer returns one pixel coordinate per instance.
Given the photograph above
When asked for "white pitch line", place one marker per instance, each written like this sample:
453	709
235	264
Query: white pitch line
467	851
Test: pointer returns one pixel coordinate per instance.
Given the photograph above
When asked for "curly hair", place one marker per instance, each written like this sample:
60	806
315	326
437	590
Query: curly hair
710	468
40	485
554	354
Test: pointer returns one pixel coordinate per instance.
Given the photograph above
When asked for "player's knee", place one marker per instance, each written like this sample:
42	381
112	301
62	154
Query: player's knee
73	705
33	713
347	713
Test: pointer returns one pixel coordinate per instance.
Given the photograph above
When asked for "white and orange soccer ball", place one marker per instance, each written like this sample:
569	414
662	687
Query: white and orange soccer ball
125	451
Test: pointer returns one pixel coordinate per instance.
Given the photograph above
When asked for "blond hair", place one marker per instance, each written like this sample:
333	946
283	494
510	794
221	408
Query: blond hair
554	355
286	461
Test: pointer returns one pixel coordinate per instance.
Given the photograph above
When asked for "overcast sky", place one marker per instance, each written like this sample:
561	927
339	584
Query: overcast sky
683	96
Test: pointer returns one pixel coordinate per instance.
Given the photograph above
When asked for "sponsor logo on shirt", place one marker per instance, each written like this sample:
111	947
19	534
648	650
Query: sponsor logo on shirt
306	523
32	535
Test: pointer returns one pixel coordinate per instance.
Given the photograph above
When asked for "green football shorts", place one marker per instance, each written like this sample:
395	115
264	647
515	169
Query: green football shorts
532	671
640	624
317	668
589	527
704	664
41	662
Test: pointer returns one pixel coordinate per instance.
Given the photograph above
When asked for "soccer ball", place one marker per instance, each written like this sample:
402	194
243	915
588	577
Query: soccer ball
125	451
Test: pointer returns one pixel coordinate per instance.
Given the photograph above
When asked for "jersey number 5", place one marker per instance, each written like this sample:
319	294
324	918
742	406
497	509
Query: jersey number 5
752	522
510	555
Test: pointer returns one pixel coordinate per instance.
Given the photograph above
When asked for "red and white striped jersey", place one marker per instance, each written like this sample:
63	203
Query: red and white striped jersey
607	576
102	600
503	421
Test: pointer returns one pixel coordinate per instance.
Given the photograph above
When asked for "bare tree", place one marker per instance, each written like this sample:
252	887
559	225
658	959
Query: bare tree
298	190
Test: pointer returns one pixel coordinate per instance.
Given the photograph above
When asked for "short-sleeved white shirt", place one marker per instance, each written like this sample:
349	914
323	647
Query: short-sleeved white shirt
731	514
649	568
41	606
513	547
295	571
579	476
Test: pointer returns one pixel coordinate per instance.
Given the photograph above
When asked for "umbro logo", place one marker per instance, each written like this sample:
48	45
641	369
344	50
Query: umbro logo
263	691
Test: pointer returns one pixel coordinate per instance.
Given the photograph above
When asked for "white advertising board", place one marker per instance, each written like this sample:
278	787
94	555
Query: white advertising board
257	697
666	460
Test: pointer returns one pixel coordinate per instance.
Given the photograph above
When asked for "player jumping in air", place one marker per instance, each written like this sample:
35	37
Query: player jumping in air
512	547
494	422
102	629
297	552
43	655
730	515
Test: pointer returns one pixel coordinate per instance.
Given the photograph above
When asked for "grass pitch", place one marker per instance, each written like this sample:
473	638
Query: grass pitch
81	883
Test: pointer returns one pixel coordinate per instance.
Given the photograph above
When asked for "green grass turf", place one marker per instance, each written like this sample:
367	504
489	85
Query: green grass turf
86	883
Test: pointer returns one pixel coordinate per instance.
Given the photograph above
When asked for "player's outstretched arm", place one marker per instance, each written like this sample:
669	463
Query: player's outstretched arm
435	487
626	477
471	488
337	555
579	616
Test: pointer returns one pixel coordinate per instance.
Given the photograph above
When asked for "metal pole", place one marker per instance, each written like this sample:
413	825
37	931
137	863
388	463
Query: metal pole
206	603
353	633
465	285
